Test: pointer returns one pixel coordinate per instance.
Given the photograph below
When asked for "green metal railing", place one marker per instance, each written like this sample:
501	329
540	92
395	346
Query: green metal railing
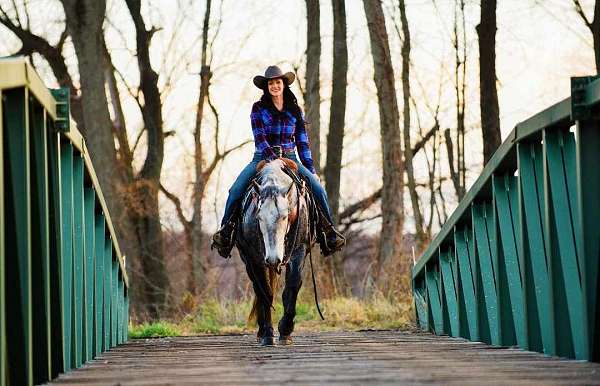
63	285
517	262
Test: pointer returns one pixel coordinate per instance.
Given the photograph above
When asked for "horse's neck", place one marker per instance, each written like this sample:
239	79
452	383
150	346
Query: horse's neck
273	175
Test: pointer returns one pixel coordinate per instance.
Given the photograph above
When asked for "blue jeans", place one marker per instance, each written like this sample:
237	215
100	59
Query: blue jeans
240	185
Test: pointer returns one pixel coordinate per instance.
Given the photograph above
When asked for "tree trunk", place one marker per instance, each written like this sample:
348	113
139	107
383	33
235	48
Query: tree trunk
593	26
490	113
335	137
454	174
408	151
393	167
460	86
312	98
200	182
84	21
147	184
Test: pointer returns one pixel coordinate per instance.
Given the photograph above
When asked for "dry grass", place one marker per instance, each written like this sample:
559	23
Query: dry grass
341	313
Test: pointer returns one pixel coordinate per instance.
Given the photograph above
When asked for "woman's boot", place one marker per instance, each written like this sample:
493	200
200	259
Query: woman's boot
223	240
330	239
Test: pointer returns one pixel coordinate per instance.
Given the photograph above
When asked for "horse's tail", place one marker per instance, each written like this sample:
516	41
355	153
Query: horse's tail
273	284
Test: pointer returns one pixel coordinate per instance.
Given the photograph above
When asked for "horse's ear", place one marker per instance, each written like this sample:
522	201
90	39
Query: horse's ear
261	165
290	164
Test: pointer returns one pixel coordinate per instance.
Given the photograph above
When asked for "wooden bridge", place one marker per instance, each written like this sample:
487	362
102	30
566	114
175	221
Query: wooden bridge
516	265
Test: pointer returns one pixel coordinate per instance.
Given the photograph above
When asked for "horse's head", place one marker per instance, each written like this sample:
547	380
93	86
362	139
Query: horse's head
276	194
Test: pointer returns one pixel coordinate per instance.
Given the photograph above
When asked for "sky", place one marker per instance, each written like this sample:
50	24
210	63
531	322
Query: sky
540	44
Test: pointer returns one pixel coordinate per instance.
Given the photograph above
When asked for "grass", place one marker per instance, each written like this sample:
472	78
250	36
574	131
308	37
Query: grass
154	330
341	313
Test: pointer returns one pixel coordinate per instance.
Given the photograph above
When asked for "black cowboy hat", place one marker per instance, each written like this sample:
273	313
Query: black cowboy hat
273	72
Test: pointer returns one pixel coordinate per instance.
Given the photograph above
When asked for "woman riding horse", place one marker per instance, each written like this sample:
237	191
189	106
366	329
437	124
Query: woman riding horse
277	121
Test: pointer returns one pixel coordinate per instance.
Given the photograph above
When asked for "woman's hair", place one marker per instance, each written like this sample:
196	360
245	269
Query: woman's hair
290	102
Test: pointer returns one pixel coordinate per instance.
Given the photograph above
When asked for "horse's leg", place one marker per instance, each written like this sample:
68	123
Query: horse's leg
264	298
293	282
264	301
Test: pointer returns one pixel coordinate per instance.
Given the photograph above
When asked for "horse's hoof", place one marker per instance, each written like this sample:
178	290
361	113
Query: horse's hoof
285	340
267	341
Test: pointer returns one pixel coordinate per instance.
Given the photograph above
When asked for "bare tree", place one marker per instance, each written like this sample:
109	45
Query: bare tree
490	112
593	25
147	182
203	167
90	105
200	181
459	41
408	154
51	53
335	137
393	167
312	97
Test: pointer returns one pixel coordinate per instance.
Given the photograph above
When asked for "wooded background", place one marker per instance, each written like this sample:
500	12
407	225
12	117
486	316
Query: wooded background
401	97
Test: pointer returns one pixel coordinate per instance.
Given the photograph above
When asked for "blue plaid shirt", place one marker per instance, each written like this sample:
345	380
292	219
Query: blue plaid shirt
278	128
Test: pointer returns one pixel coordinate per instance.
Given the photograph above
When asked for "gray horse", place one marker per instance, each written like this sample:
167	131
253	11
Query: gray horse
274	232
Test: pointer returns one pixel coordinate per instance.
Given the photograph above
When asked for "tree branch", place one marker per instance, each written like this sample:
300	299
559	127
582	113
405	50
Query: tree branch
219	157
360	206
419	145
579	10
177	202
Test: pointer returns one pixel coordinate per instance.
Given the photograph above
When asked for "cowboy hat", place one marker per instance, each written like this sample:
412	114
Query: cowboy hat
273	72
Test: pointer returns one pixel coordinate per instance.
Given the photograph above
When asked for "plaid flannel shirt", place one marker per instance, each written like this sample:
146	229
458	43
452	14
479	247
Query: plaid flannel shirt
278	128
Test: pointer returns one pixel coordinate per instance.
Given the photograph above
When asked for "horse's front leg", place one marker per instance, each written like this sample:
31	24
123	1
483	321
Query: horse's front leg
293	282
264	301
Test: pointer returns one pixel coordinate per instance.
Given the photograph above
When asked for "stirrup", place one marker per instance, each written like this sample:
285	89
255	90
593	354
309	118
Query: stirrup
223	242
327	248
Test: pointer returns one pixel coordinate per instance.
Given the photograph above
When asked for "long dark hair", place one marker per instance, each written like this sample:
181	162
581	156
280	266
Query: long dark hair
290	102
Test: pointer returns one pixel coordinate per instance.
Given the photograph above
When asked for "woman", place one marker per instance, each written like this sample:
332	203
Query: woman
277	121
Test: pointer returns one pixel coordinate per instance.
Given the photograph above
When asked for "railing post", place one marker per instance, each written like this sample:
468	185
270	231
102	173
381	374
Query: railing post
18	242
587	136
3	357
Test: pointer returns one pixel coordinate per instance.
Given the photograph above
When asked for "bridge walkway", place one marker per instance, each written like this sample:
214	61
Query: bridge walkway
349	358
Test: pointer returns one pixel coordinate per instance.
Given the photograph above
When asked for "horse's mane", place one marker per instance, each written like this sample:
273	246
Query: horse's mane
282	161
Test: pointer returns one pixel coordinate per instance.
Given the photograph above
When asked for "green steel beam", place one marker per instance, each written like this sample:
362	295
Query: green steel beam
18	241
126	319
450	298
531	180
107	291
563	204
508	223
588	181
78	258
461	242
3	357
114	302
99	286
120	298
421	305
433	300
89	198
55	217
40	258
66	277
488	276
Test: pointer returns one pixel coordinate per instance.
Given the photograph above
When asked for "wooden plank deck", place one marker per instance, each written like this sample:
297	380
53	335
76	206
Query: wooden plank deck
349	358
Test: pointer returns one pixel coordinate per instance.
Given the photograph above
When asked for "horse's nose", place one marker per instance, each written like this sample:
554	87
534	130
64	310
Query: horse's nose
272	260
